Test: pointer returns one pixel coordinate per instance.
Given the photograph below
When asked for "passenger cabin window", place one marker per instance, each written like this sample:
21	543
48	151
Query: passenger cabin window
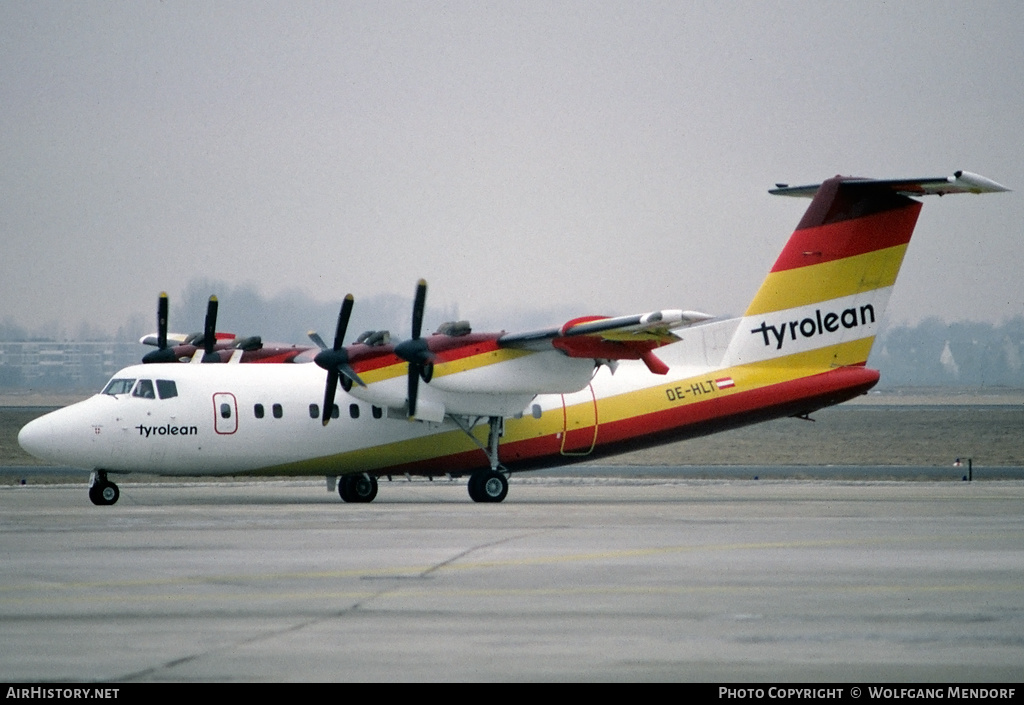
166	388
353	410
144	389
314	411
335	411
118	386
278	411
225	411
377	412
258	411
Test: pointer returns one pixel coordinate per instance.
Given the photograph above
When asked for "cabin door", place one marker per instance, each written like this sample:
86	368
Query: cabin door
579	422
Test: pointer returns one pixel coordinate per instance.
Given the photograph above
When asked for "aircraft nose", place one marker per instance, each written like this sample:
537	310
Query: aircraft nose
36	438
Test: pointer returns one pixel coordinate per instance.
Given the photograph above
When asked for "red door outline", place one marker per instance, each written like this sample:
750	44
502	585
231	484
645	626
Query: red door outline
225	426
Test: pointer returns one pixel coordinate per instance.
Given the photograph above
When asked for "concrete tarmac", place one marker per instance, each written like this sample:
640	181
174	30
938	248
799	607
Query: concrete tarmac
570	579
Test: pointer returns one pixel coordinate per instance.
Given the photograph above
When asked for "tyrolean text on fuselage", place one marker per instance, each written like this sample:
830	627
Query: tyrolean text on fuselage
167	430
819	325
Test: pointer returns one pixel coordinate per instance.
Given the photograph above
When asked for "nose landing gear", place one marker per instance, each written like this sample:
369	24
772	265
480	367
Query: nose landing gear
359	487
103	492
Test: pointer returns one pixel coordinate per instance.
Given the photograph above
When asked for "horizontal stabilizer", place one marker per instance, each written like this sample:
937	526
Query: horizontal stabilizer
959	182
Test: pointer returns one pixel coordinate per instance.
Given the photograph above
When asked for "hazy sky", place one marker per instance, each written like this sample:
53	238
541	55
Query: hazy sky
518	155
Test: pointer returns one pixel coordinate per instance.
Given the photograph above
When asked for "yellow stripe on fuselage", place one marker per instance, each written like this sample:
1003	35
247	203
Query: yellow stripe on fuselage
620	407
791	288
746	378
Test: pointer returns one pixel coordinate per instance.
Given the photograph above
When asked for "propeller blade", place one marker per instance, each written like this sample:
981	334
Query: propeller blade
210	331
417	308
162	353
161	321
414	384
350	376
343	316
329	390
317	340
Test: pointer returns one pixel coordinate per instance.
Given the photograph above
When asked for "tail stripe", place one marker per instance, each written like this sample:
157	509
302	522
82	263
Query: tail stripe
815	245
813	284
850	241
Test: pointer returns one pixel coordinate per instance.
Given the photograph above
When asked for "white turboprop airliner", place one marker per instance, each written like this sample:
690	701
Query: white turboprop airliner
459	403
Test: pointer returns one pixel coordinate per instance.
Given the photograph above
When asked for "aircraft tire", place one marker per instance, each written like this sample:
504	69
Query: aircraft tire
474	487
358	488
487	486
104	493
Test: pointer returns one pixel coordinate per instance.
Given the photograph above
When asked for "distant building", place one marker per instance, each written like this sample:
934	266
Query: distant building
63	366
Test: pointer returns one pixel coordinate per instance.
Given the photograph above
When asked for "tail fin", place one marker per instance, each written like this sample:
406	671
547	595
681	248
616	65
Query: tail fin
822	302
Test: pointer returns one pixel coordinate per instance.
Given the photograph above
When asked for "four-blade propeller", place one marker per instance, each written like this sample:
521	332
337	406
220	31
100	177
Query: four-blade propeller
339	369
415	350
335	361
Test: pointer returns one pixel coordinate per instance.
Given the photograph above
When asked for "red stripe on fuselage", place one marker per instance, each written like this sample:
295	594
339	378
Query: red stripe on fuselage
685	421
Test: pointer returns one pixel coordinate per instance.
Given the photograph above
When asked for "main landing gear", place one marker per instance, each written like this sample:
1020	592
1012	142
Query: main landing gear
485	485
358	487
488	485
102	491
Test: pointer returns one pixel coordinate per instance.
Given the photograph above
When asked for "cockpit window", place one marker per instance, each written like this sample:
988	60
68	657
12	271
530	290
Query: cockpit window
144	389
167	388
118	386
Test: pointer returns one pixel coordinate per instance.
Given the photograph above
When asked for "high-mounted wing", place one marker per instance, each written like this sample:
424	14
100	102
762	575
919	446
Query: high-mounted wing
602	338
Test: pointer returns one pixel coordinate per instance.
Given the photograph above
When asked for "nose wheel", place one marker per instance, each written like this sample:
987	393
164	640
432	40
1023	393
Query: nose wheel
103	492
358	488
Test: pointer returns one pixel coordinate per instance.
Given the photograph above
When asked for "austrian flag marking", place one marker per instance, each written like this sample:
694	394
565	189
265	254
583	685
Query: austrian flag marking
724	382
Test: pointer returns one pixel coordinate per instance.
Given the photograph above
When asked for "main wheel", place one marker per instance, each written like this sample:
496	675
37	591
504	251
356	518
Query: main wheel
104	493
487	486
358	487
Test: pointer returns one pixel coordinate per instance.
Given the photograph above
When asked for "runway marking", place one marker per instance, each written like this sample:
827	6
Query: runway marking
418	570
318	597
425	571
